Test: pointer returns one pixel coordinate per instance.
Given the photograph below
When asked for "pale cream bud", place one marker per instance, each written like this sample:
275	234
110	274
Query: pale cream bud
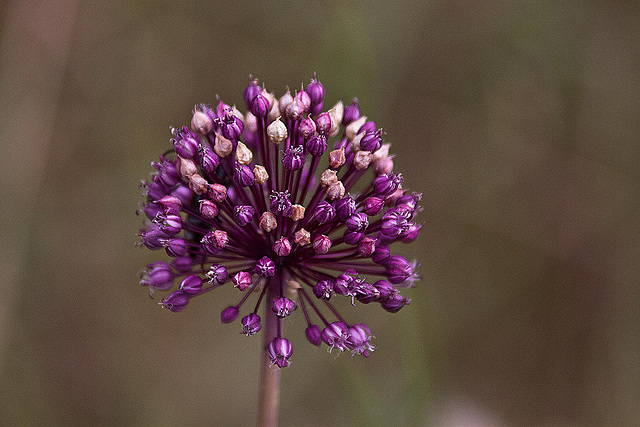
201	123
297	212
336	113
251	122
291	291
186	167
237	113
198	184
277	131
337	158
274	112
354	127
383	165
362	159
268	222
260	174
222	147
335	191
244	156
383	151
328	177
302	237
355	142
284	102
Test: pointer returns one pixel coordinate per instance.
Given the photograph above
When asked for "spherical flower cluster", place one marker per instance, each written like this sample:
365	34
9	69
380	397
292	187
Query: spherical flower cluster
242	199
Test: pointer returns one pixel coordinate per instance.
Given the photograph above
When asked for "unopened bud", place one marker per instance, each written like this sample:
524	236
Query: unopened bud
260	174
201	123
362	159
328	177
277	131
297	212
198	184
302	237
336	113
186	167
383	165
321	244
383	151
335	191
284	102
222	147
244	156
337	158
282	247
251	122
268	222
354	127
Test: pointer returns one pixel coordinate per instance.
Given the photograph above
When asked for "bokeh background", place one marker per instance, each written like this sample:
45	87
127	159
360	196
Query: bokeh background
518	121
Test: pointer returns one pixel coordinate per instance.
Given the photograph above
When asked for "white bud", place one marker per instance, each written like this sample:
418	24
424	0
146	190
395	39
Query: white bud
251	122
336	113
354	127
277	131
244	156
382	152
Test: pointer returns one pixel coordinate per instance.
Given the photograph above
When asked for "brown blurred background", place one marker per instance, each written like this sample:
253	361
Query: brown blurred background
518	121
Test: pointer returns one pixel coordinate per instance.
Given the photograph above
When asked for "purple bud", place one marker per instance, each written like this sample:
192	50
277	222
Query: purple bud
158	276
398	269
170	223
381	254
359	340
307	128
321	244
295	110
352	237
175	247
293	158
208	160
410	200
345	208
351	112
373	205
411	233
171	203
243	214
365	292
283	306
182	264
357	222
282	247
303	98
242	280
323	123
344	283
335	335
243	175
230	125
324	212
153	238
280	351
366	246
386	184
265	267
385	289
371	141
191	284
229	314
314	335
395	302
316	92
251	324
369	126
280	203
218	192
323	290
185	143
260	106
175	302
217	274
152	209
316	145
208	209
251	92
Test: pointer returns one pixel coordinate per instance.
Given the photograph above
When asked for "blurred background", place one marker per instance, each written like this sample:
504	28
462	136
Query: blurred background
518	121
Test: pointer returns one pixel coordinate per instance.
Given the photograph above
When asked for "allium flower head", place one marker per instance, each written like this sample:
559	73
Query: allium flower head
242	201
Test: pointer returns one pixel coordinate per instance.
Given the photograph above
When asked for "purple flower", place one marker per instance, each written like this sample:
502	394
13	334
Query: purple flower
244	198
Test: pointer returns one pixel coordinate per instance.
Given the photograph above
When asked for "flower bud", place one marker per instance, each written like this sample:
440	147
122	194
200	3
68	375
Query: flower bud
366	246
307	128
277	131
302	237
201	122
284	102
283	306
251	92
354	127
187	167
244	156
323	123
218	193
229	314
345	207
175	247
321	244
265	267
260	174
293	158
328	177
243	214
351	112
158	276
251	324
280	351
208	209
242	280
191	284
362	159
182	264
337	158
217	274
335	191
243	175
395	302
314	335
208	160
268	222
323	290
381	254
336	114
335	335
297	212
282	247
175	302
383	165
324	212
295	110
222	147
316	145
260	106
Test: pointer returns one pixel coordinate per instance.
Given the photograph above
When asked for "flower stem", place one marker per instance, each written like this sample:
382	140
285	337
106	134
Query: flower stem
269	376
